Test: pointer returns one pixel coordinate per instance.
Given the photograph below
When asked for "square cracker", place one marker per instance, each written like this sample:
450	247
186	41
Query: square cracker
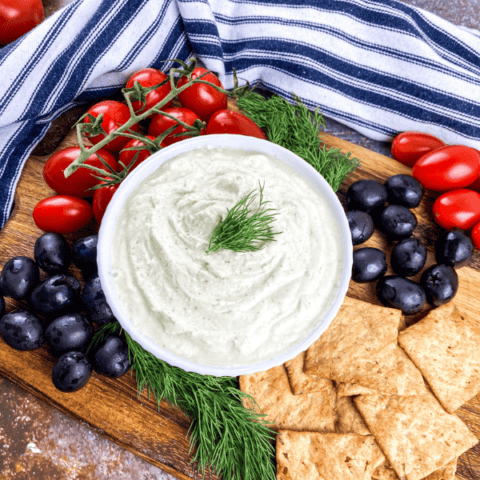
445	346
349	419
386	472
415	433
283	409
330	456
360	347
302	383
351	389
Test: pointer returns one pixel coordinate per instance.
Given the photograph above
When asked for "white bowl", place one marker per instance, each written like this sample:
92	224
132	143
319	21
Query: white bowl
248	144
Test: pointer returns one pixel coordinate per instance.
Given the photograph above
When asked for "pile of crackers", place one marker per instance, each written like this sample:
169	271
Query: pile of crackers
372	399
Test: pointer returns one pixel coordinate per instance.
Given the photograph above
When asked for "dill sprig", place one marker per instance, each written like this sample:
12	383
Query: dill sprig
229	440
297	129
243	230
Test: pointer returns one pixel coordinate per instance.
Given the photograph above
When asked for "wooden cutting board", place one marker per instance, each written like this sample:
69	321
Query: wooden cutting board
113	408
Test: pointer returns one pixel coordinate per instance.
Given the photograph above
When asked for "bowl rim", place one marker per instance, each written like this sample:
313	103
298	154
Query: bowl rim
152	163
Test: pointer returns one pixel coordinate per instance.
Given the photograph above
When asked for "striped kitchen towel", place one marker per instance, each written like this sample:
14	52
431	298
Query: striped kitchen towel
378	66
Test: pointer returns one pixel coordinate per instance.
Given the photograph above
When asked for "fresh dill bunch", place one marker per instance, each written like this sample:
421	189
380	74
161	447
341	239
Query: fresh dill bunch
243	230
231	441
297	129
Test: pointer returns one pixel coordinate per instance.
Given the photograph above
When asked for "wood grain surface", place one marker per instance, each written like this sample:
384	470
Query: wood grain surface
113	407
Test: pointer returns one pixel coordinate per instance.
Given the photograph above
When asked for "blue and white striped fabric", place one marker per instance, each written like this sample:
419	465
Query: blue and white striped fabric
378	66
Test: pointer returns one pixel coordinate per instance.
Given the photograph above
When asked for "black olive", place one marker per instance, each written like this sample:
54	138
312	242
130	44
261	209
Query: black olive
404	190
454	249
2	306
57	295
95	303
85	255
397	222
398	292
69	332
361	226
52	253
71	372
19	277
111	357
408	257
369	264
366	195
22	330
440	283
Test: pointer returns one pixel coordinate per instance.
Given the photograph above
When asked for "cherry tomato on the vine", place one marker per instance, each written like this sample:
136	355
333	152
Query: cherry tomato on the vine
202	99
148	77
101	199
160	124
18	17
476	236
115	114
236	123
126	156
447	168
62	214
408	147
457	208
80	181
476	184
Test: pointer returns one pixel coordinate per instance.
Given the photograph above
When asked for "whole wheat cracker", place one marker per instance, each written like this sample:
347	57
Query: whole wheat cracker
415	433
274	397
360	347
351	389
302	383
386	472
445	347
331	456
349	419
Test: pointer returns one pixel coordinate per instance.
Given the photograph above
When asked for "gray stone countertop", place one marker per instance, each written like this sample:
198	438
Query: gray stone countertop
39	442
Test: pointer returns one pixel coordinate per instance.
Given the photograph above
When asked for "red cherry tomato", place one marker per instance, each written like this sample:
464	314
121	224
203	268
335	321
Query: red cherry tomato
148	77
101	199
115	114
476	184
160	124
236	123
457	208
62	214
408	147
202	99
127	156
18	17
80	181
447	168
476	236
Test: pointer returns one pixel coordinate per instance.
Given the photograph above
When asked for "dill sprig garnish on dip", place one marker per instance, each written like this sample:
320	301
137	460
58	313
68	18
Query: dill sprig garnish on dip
243	230
297	129
229	440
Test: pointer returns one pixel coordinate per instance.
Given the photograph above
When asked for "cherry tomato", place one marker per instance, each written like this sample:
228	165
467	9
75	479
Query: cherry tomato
18	17
79	182
101	199
160	124
127	156
115	114
476	236
148	77
457	208
202	99
447	168
62	214
476	184
236	123
408	147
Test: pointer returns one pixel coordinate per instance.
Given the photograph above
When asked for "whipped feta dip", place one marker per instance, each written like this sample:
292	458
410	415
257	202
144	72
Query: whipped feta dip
224	308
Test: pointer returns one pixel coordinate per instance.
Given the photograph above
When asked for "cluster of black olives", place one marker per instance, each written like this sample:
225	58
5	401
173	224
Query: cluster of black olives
59	312
366	204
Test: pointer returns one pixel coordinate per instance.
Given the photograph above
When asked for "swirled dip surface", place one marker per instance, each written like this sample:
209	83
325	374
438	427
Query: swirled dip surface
224	308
